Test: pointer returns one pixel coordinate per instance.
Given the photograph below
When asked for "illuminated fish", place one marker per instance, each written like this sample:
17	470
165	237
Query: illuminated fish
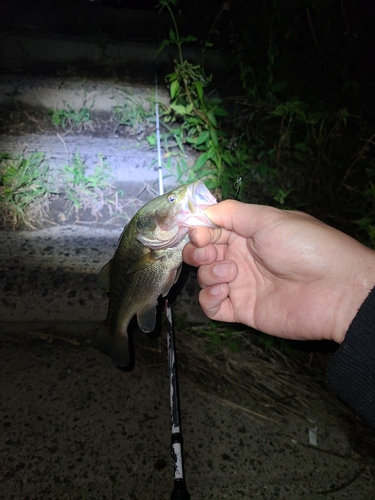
147	263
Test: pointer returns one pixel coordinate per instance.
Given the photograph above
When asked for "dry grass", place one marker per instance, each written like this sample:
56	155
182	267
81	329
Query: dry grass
267	385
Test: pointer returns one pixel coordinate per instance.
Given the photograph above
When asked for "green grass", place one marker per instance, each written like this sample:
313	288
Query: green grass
89	191
71	119
24	190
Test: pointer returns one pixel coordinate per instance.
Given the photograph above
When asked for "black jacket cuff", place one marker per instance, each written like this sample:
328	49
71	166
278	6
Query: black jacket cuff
351	372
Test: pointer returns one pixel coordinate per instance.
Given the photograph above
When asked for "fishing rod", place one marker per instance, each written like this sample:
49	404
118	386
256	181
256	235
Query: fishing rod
179	491
160	169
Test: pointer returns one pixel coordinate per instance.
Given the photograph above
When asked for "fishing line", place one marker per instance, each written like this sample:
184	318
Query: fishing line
160	169
179	491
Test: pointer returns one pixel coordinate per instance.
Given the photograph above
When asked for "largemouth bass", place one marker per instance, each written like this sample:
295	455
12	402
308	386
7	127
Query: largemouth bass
147	263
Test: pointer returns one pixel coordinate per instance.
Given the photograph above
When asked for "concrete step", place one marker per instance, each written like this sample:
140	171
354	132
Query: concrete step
132	161
42	92
50	280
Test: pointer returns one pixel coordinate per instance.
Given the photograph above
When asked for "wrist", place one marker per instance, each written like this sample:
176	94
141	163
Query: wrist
355	291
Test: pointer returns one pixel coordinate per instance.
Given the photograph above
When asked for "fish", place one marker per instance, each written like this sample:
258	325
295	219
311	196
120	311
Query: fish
147	263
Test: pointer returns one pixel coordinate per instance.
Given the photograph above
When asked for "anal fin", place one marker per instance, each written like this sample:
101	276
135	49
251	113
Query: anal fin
146	319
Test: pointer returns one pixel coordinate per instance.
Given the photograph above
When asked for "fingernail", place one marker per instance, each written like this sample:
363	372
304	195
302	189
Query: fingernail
216	289
192	233
222	270
200	254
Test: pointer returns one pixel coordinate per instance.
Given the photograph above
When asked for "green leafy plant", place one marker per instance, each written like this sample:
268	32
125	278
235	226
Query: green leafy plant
285	346
24	189
305	157
193	119
135	113
89	191
295	135
220	336
71	119
311	137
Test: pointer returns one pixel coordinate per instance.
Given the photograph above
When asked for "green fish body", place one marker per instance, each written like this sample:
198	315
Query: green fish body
147	263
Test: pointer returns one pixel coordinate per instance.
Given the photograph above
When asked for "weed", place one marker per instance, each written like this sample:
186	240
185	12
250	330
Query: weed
70	119
285	346
24	190
93	191
193	118
293	137
134	114
220	336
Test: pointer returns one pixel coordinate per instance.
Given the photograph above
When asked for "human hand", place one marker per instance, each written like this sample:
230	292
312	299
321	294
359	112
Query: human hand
284	273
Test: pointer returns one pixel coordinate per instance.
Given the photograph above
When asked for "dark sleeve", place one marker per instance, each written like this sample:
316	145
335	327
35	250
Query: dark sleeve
351	372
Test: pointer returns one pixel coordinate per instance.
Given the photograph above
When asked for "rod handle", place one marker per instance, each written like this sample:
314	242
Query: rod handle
179	491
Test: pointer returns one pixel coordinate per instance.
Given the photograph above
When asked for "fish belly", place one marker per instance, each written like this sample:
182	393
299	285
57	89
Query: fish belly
136	294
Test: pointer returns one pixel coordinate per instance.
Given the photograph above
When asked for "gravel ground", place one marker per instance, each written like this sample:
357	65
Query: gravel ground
75	427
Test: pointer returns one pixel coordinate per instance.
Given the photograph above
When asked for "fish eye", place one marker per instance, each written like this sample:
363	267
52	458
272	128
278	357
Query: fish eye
171	198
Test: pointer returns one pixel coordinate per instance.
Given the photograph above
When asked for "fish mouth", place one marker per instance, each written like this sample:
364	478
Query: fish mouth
198	199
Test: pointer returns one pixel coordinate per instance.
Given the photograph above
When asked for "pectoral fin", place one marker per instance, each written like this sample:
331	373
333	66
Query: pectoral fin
146	319
148	259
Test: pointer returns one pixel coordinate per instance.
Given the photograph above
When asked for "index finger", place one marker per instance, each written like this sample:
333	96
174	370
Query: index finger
201	236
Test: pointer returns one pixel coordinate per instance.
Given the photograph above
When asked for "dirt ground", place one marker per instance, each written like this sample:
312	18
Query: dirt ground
76	427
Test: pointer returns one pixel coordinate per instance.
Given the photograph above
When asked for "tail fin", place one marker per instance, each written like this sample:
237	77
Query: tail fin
116	347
